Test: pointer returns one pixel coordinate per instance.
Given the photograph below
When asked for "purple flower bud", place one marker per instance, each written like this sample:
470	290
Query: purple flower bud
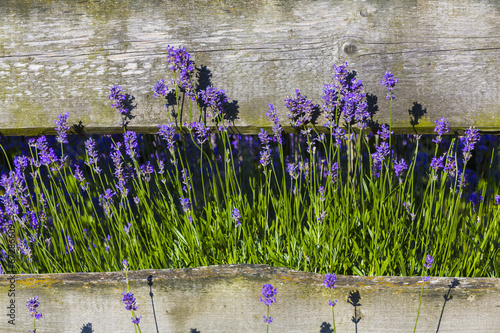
160	89
428	261
471	137
384	132
441	128
330	280
389	82
399	168
300	110
62	127
215	100
235	214
272	114
268	294
33	305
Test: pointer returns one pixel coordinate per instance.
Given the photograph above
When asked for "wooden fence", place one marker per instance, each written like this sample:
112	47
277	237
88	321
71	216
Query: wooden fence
64	55
226	299
58	56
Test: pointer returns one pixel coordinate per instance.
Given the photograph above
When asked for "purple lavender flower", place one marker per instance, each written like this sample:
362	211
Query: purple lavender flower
33	305
339	134
146	170
127	227
180	61
129	301
353	107
70	247
91	152
497	199
442	127
471	137
62	127
215	100
321	216
321	192
118	100
389	82
105	200
136	321
24	248
116	157
201	132
185	203
437	163
333	95
300	110
268	294
384	132
265	154
235	214
46	155
160	89
272	114
78	174
451	166
428	261
330	280
399	168
167	133
130	140
381	151
292	170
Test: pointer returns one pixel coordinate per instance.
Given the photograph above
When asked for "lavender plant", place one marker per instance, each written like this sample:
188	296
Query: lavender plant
33	305
130	301
195	194
268	297
329	282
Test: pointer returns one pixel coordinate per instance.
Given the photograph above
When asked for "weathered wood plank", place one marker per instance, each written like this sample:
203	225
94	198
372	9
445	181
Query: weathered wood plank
58	56
226	299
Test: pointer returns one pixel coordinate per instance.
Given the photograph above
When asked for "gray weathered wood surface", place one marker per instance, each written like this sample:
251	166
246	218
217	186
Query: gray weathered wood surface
226	299
58	56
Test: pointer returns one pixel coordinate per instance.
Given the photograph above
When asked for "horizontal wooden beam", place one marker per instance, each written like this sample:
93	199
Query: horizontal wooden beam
226	299
58	56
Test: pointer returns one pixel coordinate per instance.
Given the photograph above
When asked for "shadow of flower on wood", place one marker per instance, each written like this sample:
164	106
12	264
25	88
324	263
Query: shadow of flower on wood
447	297
353	298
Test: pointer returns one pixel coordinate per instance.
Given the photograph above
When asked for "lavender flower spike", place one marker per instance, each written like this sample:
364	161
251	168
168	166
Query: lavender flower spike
235	214
428	261
62	127
33	305
330	280
269	294
471	137
272	114
442	127
300	110
389	82
160	89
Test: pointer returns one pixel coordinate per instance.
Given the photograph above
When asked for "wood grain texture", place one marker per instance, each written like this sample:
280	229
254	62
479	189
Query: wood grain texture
226	299
58	56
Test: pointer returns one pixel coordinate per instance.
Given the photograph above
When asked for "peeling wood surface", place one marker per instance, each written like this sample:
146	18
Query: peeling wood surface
58	56
226	299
